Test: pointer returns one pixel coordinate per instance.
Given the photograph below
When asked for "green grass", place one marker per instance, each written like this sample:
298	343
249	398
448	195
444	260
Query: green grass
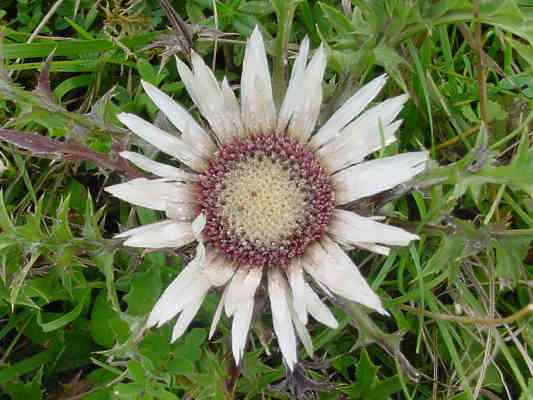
72	302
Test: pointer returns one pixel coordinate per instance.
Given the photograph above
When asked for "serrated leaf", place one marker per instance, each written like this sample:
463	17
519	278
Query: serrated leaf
510	254
147	71
366	373
368	385
446	256
19	278
336	18
391	61
61	228
104	261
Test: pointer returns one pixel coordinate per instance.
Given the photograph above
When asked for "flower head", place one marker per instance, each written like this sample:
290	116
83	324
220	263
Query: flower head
265	194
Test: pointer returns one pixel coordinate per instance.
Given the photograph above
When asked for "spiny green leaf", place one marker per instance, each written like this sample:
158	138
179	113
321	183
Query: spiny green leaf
337	19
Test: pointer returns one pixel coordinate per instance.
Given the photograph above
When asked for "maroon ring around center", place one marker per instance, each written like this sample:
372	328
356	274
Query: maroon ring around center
301	164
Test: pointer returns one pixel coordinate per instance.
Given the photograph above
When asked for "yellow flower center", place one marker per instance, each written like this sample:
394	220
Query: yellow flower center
261	202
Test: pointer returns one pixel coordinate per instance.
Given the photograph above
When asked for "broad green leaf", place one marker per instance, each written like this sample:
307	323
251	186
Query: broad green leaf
136	372
66	318
106	326
181	366
128	390
147	71
145	288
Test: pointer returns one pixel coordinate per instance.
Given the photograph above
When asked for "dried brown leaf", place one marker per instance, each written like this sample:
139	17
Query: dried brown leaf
41	145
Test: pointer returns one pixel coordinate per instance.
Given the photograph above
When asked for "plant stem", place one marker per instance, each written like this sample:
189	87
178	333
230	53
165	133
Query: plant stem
480	69
285	14
369	332
523	313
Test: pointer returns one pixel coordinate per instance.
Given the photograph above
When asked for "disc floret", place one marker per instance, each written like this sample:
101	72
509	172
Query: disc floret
265	198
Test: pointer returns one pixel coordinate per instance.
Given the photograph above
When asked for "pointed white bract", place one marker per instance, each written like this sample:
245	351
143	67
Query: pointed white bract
181	119
293	95
152	193
206	93
375	176
198	225
370	132
218	314
164	141
318	309
281	316
351	109
167	305
144	229
257	103
374	248
340	147
307	105
232	107
180	211
190	296
357	147
186	317
239	303
329	264
302	333
295	276
242	318
301	106
157	168
349	228
166	234
241	288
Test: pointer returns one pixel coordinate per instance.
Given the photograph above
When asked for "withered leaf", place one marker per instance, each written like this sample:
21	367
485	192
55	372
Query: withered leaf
41	145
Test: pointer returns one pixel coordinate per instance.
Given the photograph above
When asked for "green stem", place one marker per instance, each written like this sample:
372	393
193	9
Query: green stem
369	332
285	14
514	234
